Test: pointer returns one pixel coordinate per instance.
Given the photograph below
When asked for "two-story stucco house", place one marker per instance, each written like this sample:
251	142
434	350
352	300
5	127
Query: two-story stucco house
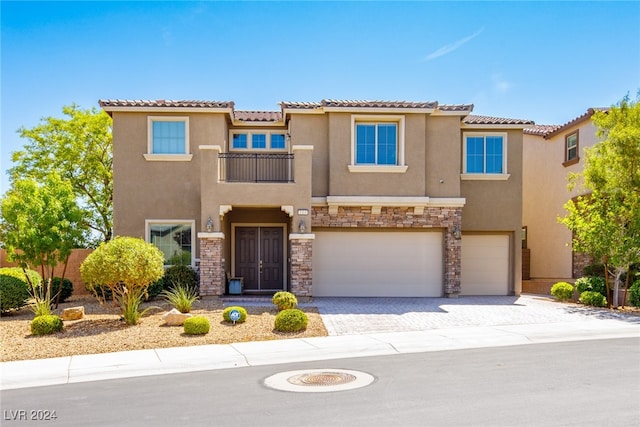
551	152
330	198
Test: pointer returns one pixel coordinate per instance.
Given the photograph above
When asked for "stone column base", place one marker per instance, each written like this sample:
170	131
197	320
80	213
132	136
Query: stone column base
212	270
301	265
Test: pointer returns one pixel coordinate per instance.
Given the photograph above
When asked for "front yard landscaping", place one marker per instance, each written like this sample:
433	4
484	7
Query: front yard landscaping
102	330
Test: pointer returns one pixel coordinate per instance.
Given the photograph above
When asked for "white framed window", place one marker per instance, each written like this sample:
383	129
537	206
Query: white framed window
258	140
484	155
571	144
168	139
377	144
175	238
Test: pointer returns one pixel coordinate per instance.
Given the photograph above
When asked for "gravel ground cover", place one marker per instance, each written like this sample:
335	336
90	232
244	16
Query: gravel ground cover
102	331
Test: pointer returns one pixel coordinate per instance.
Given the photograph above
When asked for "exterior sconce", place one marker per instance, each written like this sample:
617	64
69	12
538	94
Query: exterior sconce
456	233
302	227
209	224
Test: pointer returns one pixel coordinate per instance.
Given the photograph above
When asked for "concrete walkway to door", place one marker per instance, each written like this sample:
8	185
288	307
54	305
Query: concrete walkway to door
349	316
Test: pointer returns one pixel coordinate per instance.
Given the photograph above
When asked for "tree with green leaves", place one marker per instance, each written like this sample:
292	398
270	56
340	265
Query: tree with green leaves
606	221
40	223
79	147
127	266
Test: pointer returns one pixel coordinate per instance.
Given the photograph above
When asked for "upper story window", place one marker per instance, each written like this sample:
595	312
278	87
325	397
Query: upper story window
484	155
571	149
174	238
377	144
258	140
168	139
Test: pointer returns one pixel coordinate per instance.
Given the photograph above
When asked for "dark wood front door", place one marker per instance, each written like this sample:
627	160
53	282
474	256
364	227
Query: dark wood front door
259	258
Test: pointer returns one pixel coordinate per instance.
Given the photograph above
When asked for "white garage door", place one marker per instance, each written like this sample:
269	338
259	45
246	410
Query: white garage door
377	264
485	265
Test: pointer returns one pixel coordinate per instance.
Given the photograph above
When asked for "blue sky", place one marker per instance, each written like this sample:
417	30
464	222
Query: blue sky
543	61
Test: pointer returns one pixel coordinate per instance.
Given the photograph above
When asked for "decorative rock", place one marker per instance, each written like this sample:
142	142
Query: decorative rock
175	318
73	313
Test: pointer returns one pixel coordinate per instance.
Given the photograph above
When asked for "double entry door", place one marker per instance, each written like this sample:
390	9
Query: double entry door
259	257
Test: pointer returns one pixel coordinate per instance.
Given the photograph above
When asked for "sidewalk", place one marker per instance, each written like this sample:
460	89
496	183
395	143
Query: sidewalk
64	370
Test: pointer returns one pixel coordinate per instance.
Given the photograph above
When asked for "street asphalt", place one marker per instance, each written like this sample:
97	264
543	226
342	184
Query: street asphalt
357	327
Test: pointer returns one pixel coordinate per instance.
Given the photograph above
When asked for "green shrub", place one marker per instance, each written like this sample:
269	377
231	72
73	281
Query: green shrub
101	292
284	300
591	283
228	310
634	294
67	288
291	320
181	297
180	275
596	270
45	325
155	289
196	325
592	298
17	272
562	291
14	293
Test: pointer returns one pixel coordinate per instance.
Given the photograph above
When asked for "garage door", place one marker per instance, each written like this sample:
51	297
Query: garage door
485	265
377	264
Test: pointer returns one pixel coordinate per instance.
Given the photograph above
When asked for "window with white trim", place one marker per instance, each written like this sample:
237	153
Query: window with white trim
377	144
174	238
258	140
168	138
571	149
484	155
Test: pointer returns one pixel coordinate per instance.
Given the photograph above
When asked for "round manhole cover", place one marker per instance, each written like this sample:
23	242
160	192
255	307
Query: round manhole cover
318	380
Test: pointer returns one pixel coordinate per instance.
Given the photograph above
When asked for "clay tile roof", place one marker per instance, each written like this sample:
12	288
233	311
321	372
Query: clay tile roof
541	130
357	104
300	105
258	116
164	103
455	107
486	120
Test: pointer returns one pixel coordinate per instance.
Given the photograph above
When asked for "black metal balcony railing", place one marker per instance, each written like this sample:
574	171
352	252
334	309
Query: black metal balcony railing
256	167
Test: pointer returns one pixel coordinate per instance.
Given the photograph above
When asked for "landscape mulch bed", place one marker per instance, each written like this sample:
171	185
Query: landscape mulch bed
102	330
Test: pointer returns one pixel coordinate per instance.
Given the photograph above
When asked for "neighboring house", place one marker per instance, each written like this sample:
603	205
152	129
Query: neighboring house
330	198
550	154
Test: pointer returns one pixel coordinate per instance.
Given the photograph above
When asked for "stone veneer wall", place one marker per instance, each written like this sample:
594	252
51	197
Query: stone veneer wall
212	272
301	266
580	261
404	217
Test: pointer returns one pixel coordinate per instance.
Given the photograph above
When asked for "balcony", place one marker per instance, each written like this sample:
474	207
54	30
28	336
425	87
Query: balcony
256	167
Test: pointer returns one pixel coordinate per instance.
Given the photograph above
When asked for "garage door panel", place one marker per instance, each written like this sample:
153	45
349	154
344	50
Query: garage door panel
377	263
485	265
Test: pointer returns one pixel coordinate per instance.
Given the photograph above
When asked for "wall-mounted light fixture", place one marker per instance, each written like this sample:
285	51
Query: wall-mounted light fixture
456	232
209	224
302	227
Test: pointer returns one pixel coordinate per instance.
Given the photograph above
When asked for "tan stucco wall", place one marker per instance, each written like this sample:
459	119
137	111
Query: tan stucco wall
443	156
544	195
312	129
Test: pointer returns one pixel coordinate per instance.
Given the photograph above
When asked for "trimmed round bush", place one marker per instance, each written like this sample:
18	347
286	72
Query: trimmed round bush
591	283
562	291
228	310
196	325
47	324
180	274
14	293
67	288
291	320
284	300
592	298
634	294
18	273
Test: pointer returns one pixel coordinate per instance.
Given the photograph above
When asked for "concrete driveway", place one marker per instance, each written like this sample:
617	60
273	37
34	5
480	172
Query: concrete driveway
349	316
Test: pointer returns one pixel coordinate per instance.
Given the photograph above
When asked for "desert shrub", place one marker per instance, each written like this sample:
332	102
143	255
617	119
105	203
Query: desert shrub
127	265
291	320
18	273
562	291
634	294
243	314
180	275
591	283
592	298
196	325
14	293
155	289
45	325
596	270
65	292
181	297
284	300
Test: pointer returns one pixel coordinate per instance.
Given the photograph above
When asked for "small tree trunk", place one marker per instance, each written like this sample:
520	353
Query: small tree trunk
606	281
64	271
626	288
616	287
